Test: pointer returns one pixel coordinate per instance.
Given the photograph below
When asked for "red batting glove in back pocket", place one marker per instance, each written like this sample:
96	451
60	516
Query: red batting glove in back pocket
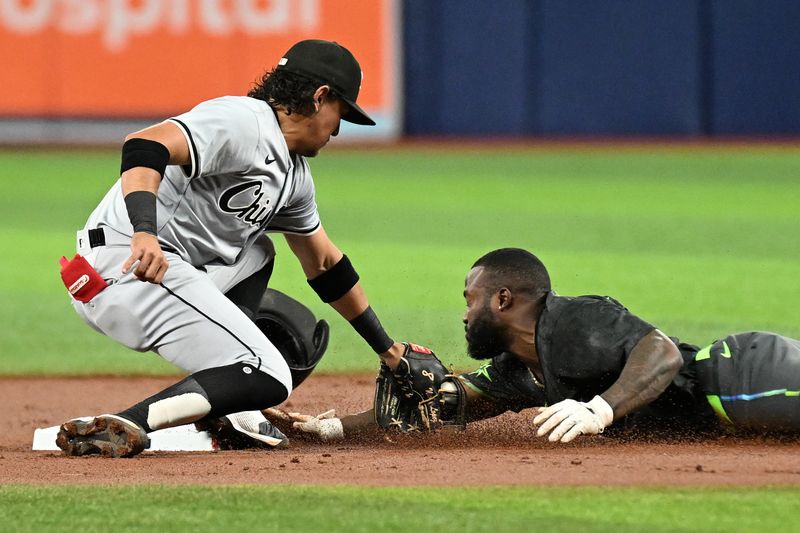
81	279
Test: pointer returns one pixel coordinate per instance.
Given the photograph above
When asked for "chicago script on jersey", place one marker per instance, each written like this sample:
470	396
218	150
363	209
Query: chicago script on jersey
247	202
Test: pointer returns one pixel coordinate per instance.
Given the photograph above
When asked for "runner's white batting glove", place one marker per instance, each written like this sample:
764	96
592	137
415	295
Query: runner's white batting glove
567	419
324	426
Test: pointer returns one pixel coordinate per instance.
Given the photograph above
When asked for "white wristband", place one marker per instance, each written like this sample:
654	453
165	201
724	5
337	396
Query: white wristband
601	408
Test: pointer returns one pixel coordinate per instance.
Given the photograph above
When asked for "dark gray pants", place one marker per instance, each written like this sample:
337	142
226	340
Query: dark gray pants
752	380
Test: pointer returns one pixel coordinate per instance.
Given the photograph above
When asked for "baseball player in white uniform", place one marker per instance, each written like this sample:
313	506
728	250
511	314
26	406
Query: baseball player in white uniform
180	240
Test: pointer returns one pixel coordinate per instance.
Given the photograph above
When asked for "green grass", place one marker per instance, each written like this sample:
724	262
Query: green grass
700	242
428	509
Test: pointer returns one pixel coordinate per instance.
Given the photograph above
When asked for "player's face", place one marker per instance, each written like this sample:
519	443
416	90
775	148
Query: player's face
486	335
322	125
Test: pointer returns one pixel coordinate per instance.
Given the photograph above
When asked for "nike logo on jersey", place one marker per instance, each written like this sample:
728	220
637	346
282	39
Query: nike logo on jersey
726	352
267	161
247	202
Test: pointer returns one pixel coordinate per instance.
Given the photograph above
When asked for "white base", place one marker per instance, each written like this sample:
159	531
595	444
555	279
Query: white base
178	439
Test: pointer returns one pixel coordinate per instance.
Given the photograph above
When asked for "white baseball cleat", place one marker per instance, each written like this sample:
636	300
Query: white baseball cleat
256	426
243	431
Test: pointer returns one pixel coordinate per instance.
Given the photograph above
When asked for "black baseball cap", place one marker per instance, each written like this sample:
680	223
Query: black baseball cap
329	63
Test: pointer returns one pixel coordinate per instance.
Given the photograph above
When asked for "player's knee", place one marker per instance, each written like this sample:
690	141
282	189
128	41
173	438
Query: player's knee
240	387
271	388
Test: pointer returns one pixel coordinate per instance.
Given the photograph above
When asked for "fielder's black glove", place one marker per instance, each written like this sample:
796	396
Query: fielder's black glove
419	373
406	399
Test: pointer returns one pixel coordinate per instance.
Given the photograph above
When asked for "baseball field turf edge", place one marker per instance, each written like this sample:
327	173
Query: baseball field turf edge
700	242
346	508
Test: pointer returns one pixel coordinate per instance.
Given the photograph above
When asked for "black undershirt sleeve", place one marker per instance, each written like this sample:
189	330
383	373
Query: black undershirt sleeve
506	382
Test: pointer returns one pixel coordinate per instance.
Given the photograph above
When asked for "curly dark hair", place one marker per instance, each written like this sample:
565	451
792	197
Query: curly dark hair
289	90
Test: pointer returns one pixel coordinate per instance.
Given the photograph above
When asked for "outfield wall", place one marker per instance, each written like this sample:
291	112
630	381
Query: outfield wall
88	70
616	67
93	70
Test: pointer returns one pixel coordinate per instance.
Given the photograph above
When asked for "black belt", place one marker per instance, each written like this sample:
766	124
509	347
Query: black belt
97	237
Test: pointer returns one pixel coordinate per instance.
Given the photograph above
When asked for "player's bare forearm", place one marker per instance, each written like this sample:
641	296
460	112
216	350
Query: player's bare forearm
479	408
317	255
150	263
316	252
651	366
477	404
140	179
352	305
360	425
147	179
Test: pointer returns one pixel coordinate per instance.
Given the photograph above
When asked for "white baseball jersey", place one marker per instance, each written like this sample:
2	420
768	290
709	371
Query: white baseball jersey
242	181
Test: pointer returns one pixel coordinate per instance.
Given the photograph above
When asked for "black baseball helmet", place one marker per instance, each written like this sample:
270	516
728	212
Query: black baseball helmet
295	332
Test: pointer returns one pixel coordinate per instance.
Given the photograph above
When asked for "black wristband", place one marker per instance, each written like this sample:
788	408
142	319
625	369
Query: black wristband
336	281
369	327
144	153
141	207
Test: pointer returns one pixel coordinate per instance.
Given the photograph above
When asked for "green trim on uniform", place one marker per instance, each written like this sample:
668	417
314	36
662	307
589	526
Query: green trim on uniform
726	352
716	405
705	353
474	388
483	371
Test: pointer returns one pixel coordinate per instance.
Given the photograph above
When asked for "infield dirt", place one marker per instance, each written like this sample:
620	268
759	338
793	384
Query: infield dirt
502	451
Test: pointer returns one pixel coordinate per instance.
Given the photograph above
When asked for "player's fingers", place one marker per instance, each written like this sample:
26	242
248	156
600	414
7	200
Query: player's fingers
154	272
573	432
546	413
567	424
552	422
141	269
280	414
135	255
162	271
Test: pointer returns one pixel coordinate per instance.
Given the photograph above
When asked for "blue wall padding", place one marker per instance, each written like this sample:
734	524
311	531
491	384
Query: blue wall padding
582	67
756	66
618	67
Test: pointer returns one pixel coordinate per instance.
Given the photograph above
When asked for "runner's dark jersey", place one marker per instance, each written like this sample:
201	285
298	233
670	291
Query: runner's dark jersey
583	344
